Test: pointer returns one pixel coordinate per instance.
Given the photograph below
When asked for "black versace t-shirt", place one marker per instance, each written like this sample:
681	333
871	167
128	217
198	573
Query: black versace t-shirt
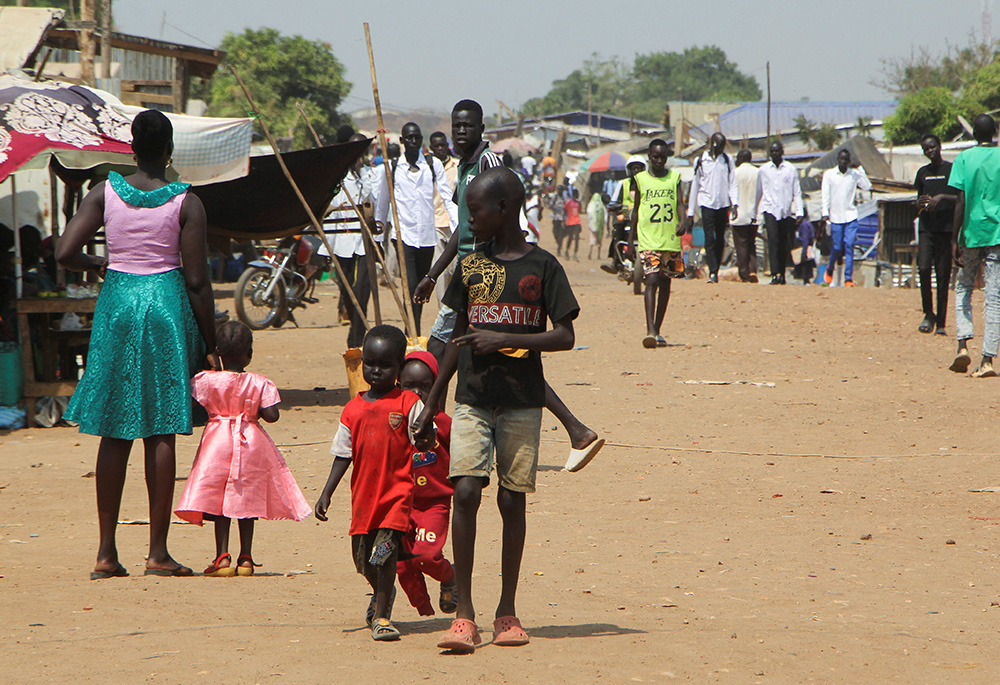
933	180
515	296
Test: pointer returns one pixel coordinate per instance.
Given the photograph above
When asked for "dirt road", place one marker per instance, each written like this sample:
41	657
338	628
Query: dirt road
810	520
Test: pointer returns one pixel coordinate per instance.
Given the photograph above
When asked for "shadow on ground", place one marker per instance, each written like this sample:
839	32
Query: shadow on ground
332	397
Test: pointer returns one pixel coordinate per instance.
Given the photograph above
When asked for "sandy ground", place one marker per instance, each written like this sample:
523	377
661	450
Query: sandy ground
820	529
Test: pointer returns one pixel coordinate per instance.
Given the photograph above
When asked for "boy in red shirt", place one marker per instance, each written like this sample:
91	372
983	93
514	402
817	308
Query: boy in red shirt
431	501
573	224
375	436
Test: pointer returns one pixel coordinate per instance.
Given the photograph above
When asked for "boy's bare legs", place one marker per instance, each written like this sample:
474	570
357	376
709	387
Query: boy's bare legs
661	304
652	287
382	578
112	463
512	506
467	498
160	471
579	435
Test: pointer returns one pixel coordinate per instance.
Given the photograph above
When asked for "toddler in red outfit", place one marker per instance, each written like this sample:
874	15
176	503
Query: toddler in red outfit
375	437
432	493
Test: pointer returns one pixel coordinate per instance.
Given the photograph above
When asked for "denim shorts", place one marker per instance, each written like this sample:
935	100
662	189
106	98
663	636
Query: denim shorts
444	324
504	437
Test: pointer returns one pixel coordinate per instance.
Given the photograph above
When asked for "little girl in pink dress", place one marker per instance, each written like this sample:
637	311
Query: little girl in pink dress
238	472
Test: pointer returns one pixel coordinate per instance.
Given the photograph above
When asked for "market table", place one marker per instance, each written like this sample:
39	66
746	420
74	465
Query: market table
49	385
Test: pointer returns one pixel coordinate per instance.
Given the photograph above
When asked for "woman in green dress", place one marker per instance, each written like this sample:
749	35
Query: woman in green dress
152	325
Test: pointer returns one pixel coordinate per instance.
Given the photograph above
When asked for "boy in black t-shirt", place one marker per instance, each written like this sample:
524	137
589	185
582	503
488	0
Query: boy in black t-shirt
503	293
936	208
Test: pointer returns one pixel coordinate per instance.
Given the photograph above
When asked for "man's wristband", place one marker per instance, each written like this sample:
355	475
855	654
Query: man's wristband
431	279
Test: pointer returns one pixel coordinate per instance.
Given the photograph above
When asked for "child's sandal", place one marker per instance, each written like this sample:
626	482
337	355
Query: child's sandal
216	571
245	570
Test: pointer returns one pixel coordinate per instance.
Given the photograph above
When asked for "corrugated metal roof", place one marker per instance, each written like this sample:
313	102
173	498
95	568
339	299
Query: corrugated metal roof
750	120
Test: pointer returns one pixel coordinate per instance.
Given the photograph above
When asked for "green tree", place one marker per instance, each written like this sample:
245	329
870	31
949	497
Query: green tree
922	69
608	81
643	90
281	71
932	110
806	129
826	136
698	73
982	91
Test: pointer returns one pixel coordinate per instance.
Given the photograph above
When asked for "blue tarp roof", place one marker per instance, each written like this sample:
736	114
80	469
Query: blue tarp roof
750	119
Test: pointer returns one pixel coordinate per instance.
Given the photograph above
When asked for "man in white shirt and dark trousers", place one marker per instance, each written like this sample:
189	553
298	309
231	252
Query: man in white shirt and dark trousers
745	222
415	179
840	188
714	190
779	197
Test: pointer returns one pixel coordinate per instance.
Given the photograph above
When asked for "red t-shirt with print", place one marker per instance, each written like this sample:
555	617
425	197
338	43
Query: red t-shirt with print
381	480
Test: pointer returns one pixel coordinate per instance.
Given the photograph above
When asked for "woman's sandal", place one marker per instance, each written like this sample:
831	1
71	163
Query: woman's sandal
216	571
242	570
507	632
384	631
462	637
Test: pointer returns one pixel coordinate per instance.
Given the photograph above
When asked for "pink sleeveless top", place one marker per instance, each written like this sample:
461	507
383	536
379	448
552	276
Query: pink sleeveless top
142	240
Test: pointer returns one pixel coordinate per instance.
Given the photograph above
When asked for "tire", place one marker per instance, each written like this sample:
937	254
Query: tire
255	313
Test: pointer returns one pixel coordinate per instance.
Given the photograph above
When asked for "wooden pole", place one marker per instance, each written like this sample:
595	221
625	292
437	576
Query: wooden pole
768	107
370	250
305	205
18	263
390	184
105	38
88	16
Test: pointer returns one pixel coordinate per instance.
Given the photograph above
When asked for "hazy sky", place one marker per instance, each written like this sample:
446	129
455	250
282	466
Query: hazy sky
432	53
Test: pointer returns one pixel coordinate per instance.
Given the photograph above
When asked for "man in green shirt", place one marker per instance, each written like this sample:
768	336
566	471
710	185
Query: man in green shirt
657	223
975	174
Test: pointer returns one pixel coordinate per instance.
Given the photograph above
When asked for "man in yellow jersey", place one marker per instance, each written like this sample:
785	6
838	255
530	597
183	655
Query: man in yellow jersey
657	224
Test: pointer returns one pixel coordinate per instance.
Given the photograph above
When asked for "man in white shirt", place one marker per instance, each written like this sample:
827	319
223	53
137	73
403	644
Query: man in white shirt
415	179
745	222
840	188
714	190
528	164
779	197
344	233
442	220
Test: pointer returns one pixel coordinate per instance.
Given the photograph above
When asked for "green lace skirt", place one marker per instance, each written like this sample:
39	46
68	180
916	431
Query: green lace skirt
144	349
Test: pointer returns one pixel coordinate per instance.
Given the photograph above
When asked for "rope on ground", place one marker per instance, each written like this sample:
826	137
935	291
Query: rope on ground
705	450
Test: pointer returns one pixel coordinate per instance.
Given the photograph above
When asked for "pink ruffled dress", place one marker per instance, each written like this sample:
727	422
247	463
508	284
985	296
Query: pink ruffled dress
238	472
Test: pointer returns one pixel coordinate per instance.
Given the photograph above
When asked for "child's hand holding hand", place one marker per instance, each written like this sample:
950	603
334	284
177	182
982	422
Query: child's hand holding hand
482	342
423	427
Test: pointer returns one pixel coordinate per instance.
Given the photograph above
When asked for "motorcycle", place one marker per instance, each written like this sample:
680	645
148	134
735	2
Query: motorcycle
271	288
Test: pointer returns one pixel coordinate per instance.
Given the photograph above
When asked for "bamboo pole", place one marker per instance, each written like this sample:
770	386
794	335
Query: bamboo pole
305	205
389	182
370	249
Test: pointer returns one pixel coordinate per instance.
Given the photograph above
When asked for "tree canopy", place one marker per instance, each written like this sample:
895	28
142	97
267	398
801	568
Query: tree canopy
280	72
937	89
643	89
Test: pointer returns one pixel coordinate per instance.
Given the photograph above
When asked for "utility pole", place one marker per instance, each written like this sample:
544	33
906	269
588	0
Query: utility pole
106	39
769	105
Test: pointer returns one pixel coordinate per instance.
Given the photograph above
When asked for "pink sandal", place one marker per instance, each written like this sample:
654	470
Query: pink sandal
462	637
507	632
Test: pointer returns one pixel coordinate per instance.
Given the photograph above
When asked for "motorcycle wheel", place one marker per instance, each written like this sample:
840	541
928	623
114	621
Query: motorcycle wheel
251	308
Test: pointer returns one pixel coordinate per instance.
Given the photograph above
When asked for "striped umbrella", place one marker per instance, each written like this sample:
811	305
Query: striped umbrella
608	161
